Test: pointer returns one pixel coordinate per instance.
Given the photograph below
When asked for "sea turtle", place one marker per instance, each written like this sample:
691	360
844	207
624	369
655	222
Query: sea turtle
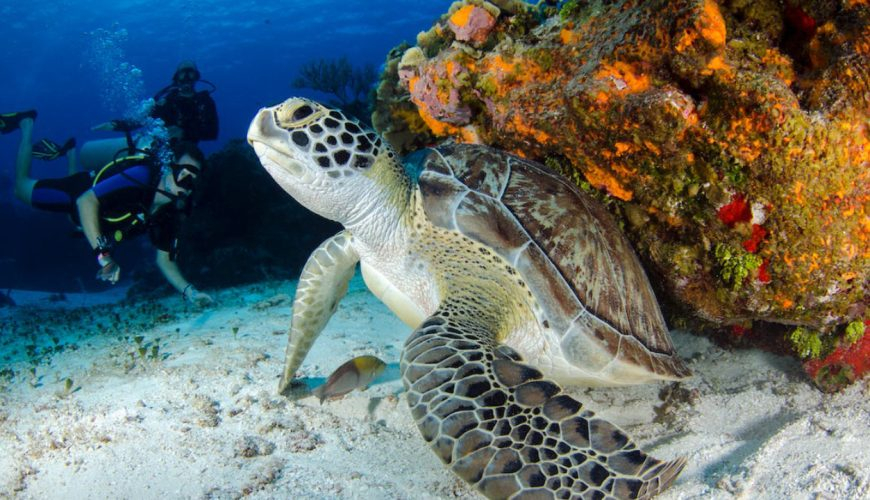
513	280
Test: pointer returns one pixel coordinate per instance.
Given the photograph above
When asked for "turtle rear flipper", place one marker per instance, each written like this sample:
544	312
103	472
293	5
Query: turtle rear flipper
509	432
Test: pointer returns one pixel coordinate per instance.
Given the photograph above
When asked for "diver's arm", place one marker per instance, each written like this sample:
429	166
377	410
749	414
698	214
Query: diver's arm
173	275
171	271
88	206
119	125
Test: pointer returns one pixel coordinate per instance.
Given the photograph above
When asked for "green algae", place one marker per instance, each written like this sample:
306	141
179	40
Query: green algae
571	10
443	85
524	21
812	344
487	86
735	265
542	56
853	332
582	10
806	343
832	378
69	388
7	375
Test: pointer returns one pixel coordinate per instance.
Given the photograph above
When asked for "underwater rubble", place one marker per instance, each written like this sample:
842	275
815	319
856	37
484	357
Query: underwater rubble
729	138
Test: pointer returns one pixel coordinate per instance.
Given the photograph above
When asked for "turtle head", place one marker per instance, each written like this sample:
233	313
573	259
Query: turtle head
327	161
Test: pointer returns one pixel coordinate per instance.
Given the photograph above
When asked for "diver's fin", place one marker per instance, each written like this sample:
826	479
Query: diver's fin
69	144
9	122
49	150
46	149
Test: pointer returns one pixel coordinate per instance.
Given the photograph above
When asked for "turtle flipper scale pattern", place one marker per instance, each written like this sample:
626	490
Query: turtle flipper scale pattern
322	285
502	427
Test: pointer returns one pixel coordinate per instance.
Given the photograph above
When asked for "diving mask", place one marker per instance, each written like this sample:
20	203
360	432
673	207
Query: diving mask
184	175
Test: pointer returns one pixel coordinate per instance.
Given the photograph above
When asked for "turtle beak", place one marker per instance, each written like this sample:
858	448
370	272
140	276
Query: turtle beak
263	129
270	142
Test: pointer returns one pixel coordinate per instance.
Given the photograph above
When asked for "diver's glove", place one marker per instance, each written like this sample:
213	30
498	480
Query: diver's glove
109	269
194	296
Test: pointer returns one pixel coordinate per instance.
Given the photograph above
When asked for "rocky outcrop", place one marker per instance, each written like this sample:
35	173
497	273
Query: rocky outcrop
729	137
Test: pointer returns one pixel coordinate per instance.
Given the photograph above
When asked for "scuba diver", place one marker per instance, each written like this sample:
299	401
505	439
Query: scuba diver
133	194
188	115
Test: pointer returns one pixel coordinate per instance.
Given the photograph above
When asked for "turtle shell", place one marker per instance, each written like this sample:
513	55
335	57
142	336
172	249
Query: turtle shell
581	269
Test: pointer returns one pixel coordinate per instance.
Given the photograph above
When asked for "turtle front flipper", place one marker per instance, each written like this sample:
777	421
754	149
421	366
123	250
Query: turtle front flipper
503	428
322	285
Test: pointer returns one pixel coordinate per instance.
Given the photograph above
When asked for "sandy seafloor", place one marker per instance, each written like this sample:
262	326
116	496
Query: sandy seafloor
202	419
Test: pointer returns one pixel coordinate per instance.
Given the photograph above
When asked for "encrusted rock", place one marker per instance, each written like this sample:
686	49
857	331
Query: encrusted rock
731	138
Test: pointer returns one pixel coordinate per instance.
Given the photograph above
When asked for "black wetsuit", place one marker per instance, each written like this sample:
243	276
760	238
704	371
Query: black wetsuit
125	192
195	114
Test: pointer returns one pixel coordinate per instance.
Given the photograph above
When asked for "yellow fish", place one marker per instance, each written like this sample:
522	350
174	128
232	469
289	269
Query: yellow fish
357	373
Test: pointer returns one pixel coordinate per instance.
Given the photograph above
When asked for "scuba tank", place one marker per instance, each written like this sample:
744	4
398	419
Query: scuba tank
124	159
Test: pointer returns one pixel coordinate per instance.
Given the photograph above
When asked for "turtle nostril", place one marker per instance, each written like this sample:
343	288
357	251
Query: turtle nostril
302	112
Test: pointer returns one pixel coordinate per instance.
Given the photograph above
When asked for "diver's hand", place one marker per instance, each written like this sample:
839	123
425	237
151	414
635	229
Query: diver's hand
110	270
194	296
103	127
122	125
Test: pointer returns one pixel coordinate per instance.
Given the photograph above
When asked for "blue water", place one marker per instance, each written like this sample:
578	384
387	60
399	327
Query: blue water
82	63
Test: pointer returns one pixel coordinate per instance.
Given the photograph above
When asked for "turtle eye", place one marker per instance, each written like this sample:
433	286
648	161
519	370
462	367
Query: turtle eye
302	112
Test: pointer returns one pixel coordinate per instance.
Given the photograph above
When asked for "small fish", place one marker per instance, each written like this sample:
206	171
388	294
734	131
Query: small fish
357	373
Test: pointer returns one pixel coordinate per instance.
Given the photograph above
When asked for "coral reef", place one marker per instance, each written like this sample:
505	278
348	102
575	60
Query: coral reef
395	116
846	363
729	137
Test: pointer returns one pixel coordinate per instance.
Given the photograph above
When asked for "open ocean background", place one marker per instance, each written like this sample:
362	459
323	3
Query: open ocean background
83	63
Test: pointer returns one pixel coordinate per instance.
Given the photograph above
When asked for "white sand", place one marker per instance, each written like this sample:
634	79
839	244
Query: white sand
205	422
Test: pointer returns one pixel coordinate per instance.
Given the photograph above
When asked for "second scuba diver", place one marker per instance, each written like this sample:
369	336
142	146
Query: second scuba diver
131	195
188	114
